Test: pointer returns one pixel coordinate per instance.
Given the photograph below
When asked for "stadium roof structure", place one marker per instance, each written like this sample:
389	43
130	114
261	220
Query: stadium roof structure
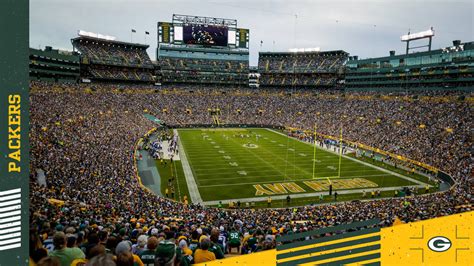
99	40
320	53
188	19
465	46
55	54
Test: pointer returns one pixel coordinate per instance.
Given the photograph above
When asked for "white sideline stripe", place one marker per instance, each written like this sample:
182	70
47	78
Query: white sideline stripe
16	190
305	195
364	163
188	174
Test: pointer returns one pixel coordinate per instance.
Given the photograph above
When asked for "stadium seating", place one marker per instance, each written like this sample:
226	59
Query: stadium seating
446	68
306	69
181	70
104	60
86	152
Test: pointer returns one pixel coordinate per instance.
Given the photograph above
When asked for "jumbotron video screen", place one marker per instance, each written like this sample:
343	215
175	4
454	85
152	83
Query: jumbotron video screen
205	35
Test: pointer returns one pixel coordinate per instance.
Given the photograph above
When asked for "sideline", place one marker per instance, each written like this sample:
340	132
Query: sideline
305	195
188	173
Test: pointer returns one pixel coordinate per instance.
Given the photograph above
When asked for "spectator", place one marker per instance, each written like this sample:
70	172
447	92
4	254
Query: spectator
49	261
102	260
126	247
166	255
64	254
202	254
148	255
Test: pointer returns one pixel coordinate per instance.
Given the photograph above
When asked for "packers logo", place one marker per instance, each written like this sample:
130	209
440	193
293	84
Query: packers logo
439	243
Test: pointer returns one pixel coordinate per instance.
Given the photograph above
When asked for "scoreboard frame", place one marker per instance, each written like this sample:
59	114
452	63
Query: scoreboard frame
167	31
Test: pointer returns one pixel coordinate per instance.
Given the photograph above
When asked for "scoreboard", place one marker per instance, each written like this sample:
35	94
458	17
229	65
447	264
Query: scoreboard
203	31
164	32
243	37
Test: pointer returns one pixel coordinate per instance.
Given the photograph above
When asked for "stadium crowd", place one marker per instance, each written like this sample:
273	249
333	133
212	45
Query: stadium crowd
113	60
112	52
93	209
176	70
204	65
305	69
302	62
298	80
112	73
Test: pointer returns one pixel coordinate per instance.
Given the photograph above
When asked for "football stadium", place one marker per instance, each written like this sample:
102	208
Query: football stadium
198	154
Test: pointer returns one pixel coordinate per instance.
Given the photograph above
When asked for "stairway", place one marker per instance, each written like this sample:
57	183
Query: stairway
215	120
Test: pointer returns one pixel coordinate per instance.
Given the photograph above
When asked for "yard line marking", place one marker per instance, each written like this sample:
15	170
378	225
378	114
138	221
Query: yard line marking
364	163
289	180
279	181
222	170
258	157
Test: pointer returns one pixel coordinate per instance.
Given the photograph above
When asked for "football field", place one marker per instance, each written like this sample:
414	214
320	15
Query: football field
252	164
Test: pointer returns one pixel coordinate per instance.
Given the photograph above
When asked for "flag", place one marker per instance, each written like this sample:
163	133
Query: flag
147	33
134	30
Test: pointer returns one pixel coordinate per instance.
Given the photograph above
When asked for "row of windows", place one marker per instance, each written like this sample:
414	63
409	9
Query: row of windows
444	57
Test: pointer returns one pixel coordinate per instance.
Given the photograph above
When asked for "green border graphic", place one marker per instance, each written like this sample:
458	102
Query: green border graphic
14	187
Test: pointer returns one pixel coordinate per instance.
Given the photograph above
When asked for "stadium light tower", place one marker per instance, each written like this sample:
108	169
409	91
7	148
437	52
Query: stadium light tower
428	34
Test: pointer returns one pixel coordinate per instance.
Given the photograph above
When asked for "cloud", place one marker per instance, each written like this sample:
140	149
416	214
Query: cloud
331	25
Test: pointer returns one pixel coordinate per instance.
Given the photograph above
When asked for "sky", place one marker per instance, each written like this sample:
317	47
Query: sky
367	28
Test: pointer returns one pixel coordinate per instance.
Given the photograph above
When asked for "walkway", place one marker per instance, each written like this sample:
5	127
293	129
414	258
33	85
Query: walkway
149	173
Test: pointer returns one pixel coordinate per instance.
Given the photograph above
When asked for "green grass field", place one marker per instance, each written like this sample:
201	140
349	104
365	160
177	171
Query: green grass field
169	170
227	166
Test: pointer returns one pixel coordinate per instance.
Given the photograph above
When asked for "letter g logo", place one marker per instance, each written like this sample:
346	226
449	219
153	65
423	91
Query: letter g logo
439	243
